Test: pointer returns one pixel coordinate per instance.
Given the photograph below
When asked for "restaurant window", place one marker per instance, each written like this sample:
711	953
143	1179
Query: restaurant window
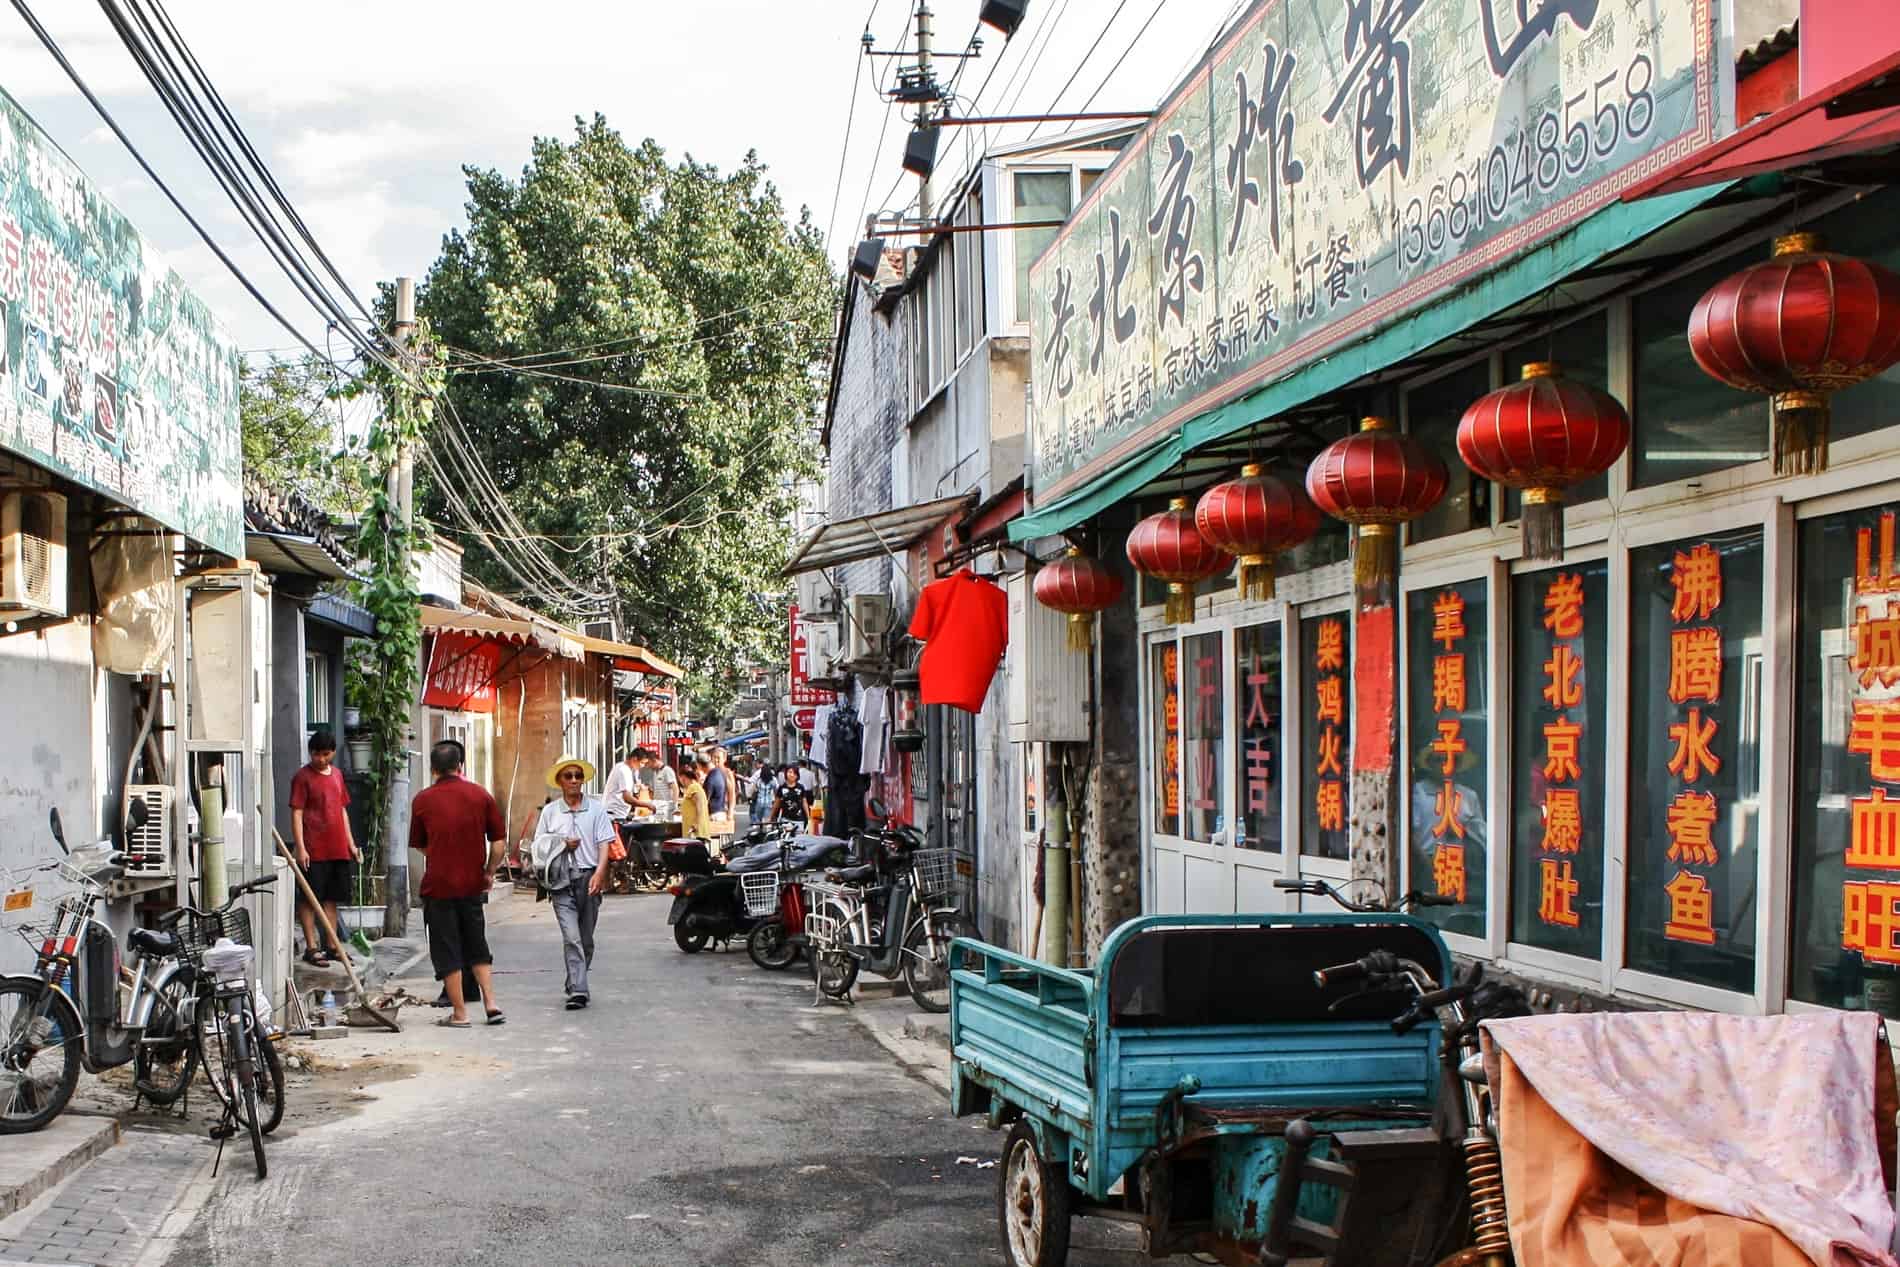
1432	413
1325	666
1559	620
919	348
1039	196
1695	758
1203	709
1864	229
316	690
1846	897
1257	710
1164	669
1447	711
1582	350
1687	423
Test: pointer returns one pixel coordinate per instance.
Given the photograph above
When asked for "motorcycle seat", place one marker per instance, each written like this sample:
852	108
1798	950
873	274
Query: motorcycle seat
149	941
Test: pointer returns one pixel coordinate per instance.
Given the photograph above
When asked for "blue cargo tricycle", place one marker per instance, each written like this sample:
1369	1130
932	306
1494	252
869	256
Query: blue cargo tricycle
1258	1088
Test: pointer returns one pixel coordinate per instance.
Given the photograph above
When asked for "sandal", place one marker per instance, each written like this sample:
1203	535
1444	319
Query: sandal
497	1017
449	1022
316	959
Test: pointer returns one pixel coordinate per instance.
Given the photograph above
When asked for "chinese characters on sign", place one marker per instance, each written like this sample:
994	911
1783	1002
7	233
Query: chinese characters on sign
461	677
1326	670
116	376
1328	168
1449	811
1695	682
1870	905
1167	697
1257	705
804	695
1563	806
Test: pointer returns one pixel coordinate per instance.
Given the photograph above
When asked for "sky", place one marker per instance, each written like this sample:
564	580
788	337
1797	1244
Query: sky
366	113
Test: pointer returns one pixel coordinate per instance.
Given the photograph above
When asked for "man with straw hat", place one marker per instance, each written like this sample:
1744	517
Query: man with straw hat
585	830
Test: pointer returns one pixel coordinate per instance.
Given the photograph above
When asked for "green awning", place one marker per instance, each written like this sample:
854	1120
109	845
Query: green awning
1605	233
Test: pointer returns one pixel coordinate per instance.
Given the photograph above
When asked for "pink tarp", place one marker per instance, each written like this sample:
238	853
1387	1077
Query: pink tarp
1784	1121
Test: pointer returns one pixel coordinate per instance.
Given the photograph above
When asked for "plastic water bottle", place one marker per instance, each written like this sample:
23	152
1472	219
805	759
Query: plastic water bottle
329	1007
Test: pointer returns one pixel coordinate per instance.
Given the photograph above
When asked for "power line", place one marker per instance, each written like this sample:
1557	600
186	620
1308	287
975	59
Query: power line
52	46
1152	15
844	149
1099	37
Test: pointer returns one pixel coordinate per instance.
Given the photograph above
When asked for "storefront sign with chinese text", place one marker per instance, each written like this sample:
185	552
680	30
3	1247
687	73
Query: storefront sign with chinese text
1447	661
1696	664
1559	621
1327	169
804	694
1325	645
461	676
1257	705
114	375
1870	897
1167	703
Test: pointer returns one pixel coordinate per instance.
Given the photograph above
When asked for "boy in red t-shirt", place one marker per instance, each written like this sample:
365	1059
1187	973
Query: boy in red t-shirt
326	850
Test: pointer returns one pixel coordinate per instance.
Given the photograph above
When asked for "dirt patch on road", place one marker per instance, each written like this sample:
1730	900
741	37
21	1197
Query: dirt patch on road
318	1088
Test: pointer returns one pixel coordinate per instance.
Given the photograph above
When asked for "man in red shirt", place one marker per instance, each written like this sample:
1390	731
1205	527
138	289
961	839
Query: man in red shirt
458	825
326	851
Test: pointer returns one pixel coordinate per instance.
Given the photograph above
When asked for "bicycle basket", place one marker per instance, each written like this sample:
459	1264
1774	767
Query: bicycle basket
201	932
761	893
934	873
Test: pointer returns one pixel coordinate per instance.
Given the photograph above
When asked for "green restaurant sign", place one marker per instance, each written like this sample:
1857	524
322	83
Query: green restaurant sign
1327	169
112	373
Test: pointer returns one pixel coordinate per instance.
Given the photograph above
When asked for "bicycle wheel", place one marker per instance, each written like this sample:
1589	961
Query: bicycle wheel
270	1080
243	1085
833	967
212	1044
927	958
39	1055
166	1056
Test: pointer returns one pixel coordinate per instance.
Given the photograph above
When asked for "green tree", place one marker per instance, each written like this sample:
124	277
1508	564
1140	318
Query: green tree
636	351
292	437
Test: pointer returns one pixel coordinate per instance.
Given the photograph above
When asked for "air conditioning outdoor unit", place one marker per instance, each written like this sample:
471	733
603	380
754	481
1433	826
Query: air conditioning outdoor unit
148	845
603	629
867	619
821	649
32	554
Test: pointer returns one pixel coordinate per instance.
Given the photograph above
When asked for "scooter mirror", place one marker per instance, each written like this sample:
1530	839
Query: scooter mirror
59	833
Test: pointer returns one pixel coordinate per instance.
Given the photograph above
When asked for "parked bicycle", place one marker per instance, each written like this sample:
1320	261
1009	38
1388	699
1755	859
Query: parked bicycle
65	1014
894	921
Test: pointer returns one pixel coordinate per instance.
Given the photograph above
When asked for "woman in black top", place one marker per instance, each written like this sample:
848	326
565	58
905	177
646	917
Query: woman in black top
790	799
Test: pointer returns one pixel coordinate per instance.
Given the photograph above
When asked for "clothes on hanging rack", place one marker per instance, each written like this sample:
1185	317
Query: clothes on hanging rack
876	717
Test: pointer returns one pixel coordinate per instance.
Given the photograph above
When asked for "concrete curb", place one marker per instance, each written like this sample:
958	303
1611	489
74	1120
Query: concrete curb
32	1164
888	1022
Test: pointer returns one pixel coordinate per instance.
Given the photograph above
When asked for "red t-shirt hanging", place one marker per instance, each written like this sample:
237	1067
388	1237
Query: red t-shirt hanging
322	798
963	621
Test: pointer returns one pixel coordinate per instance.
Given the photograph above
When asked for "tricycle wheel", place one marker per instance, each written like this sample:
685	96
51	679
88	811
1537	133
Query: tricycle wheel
1032	1201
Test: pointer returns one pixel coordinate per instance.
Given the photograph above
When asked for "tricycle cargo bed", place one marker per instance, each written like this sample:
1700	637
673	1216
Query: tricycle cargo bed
1221	1013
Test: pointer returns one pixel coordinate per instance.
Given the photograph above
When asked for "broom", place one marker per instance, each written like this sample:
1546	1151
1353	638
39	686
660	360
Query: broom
323	920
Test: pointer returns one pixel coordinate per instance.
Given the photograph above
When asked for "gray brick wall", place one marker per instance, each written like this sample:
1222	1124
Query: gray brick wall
868	414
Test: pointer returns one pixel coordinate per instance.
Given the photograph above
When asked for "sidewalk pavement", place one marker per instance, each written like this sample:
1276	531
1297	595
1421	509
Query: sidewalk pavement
918	1040
32	1164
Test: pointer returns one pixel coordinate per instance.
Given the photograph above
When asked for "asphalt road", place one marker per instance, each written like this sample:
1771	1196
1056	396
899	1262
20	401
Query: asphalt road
700	1112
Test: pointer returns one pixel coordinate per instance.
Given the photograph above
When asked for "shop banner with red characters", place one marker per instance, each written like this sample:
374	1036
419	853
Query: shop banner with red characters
462	671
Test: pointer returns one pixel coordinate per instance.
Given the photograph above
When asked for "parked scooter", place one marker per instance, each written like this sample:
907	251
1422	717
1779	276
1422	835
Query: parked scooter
708	898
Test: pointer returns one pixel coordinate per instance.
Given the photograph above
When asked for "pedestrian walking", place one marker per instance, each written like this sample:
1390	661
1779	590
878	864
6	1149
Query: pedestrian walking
586	832
326	850
457	826
790	801
695	818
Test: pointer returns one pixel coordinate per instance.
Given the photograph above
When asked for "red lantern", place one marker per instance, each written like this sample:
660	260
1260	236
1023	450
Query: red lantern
1256	517
1541	435
1376	479
1079	586
1799	327
1168	547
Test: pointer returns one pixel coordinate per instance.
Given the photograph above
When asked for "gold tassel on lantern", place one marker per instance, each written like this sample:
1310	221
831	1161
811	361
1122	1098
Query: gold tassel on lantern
1179	608
1081	631
1799	424
1542	528
1256	576
1375	559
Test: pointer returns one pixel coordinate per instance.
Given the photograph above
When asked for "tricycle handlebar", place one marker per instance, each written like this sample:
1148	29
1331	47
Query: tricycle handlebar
1378	963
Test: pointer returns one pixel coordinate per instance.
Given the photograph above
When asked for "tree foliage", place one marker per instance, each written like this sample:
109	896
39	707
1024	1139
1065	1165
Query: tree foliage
664	330
292	438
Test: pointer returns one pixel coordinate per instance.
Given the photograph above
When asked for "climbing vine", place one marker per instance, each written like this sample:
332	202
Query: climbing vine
387	589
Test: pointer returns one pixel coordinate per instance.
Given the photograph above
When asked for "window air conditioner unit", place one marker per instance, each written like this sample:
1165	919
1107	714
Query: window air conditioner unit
33	554
603	629
148	845
821	650
867	620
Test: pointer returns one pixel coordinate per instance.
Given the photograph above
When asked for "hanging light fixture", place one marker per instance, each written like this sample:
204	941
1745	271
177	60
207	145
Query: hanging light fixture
1078	586
1168	547
1255	517
1799	327
865	260
1004	15
1541	435
920	150
1376	479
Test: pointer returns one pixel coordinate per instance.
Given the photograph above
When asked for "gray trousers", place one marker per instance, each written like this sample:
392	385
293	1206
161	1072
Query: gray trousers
576	910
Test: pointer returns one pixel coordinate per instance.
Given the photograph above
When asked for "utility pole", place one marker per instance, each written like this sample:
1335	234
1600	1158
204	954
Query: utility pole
923	110
400	488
